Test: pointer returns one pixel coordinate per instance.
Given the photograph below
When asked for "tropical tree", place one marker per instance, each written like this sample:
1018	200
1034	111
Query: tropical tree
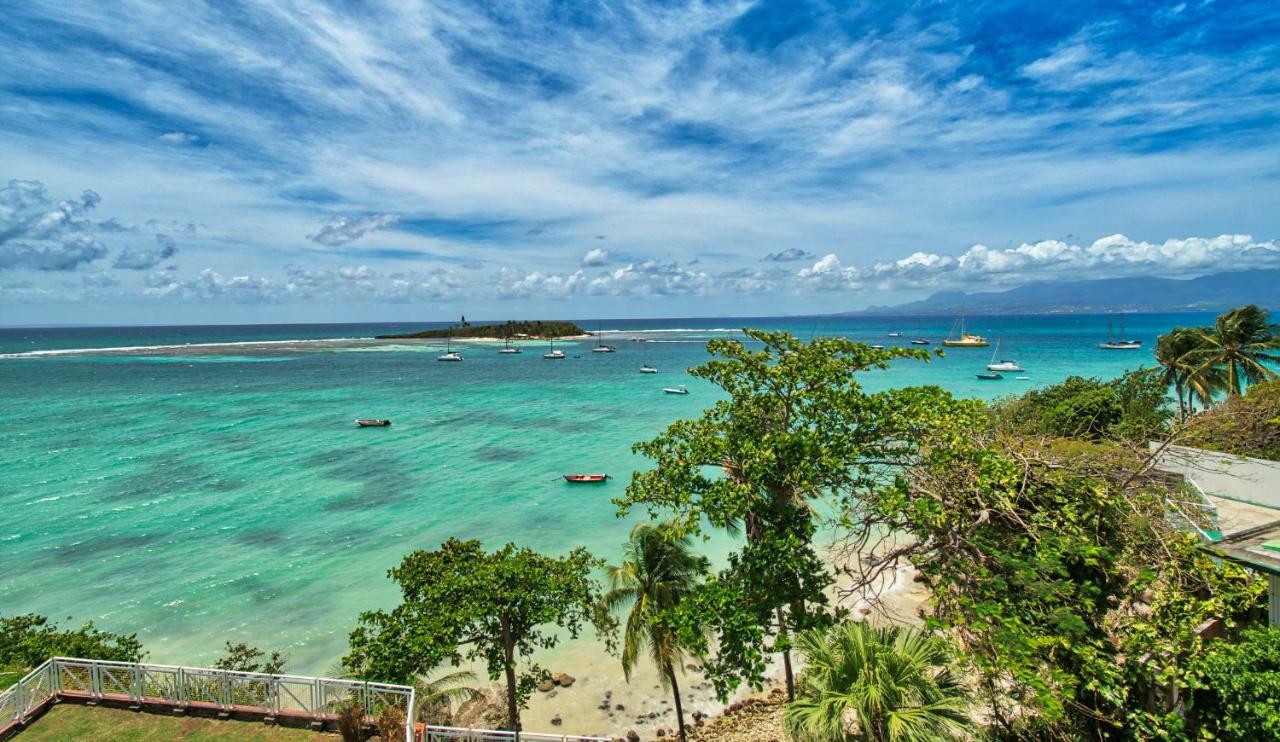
865	683
797	428
1173	352
461	602
658	570
438	695
1241	343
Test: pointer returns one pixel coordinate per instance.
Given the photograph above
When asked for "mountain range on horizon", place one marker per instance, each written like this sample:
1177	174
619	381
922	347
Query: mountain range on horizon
1216	291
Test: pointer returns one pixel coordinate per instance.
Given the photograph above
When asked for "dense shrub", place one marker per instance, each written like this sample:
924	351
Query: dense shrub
1247	425
28	640
1237	687
1134	406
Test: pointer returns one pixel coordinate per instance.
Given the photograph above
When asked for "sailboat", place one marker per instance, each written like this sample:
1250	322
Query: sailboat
554	355
507	347
1118	342
1003	365
449	353
965	340
600	347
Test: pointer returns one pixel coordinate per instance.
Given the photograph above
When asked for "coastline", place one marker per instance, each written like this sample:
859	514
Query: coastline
590	705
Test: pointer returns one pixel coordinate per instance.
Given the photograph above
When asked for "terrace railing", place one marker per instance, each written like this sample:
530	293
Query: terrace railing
228	691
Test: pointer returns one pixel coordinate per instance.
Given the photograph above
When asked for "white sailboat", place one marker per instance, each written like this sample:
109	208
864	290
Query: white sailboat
600	347
1119	342
507	347
554	355
1003	365
449	353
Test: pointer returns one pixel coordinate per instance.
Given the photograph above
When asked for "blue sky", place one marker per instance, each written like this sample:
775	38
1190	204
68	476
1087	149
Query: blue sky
292	161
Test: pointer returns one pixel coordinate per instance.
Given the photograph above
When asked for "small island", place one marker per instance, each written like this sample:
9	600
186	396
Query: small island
529	329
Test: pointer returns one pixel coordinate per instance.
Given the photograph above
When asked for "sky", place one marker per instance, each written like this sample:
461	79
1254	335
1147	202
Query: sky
272	161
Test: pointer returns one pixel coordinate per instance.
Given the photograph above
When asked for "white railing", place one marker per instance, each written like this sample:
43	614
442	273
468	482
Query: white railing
299	696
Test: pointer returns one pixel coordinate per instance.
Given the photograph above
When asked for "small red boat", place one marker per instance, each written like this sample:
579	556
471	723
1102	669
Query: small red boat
585	478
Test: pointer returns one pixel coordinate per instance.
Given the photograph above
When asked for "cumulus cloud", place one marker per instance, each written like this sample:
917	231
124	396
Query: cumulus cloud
142	259
652	278
37	233
340	230
513	284
828	274
595	258
788	255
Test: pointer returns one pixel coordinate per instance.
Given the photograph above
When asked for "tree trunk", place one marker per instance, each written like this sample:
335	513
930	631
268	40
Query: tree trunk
508	648
786	658
675	691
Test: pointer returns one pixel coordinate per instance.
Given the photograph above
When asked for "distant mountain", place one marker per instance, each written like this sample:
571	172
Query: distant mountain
1213	292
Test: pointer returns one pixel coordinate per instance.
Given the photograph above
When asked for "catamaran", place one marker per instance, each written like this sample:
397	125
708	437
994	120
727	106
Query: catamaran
965	339
554	355
1118	342
1003	365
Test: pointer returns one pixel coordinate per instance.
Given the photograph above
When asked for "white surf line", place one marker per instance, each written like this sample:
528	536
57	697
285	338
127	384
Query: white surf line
181	346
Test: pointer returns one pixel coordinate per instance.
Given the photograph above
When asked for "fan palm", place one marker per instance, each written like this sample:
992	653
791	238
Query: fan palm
659	568
864	683
1240	344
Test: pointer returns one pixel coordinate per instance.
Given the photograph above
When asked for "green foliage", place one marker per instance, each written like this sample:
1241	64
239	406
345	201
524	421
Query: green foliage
244	658
1236	350
797	428
1236	688
533	328
460	601
28	640
1056	567
1245	425
893	683
1132	407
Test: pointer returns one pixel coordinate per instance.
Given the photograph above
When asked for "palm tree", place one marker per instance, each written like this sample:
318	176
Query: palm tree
1173	352
1239	343
864	683
438	695
658	570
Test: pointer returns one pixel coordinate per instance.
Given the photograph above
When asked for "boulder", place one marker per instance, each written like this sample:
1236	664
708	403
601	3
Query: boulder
556	720
546	686
632	736
564	680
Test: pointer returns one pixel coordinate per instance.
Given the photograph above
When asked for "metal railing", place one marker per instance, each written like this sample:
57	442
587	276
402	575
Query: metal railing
299	696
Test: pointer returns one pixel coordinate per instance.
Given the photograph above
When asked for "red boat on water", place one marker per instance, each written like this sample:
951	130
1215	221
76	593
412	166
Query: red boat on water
586	478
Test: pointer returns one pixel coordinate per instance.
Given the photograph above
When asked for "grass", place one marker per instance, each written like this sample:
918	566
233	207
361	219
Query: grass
72	721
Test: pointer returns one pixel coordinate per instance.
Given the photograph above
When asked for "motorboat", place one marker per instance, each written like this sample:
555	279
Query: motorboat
895	335
586	478
989	376
373	422
676	390
919	341
647	369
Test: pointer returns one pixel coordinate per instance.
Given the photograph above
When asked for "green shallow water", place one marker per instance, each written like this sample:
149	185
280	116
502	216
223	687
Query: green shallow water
203	494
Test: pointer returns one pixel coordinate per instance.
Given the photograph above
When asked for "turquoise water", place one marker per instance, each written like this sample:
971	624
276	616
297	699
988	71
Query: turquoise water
196	494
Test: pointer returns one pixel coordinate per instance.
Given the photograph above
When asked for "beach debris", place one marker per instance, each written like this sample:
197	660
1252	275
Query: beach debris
564	680
556	720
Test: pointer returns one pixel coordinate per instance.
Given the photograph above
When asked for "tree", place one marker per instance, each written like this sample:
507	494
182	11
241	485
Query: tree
244	658
1133	406
1241	343
797	428
1174	352
893	683
460	601
439	694
659	569
1055	564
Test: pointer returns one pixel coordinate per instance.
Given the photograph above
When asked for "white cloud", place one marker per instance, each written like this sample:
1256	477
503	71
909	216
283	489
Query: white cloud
146	258
179	137
340	230
595	258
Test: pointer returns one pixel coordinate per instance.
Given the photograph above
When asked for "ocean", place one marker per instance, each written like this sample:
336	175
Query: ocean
203	484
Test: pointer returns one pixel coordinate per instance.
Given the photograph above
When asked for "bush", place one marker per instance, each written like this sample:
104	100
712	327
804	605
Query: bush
1237	686
28	640
351	721
1248	425
391	724
1134	407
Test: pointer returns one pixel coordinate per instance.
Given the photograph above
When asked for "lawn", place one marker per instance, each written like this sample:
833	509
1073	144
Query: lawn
71	721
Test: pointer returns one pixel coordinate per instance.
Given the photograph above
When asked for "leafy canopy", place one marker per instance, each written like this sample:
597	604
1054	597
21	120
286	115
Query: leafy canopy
28	640
462	602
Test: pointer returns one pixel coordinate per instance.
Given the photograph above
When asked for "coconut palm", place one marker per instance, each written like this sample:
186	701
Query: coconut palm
659	568
1174	352
438	695
1241	342
864	683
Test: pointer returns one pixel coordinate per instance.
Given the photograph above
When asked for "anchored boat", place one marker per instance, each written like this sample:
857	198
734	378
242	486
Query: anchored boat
586	478
554	355
1118	342
676	390
373	422
965	339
